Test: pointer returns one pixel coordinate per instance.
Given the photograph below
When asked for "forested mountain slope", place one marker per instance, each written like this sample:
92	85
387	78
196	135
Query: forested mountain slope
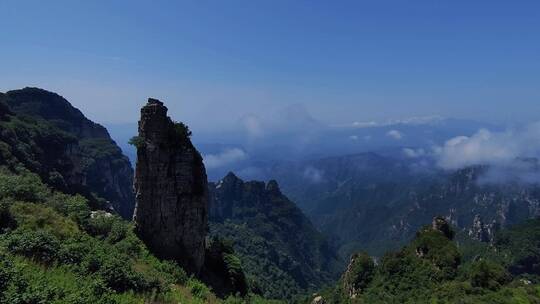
281	250
44	132
433	268
60	240
373	202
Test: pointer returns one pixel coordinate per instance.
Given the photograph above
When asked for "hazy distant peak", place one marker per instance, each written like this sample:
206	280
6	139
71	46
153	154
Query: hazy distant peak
273	187
416	120
231	177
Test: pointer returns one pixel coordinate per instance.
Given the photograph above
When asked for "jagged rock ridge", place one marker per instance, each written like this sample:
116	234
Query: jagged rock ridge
171	214
282	251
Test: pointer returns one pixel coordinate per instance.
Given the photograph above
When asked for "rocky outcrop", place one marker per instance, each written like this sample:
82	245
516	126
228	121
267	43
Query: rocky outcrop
441	224
318	300
272	237
358	275
70	152
171	214
480	231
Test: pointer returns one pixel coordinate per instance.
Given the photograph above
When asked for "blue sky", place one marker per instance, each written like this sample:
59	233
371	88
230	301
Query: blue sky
213	62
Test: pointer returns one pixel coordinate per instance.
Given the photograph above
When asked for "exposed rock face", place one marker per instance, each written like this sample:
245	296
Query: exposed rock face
441	224
318	300
70	152
271	235
349	286
480	231
358	275
171	214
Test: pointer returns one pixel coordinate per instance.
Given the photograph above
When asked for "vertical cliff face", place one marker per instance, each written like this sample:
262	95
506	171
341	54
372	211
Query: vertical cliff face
171	213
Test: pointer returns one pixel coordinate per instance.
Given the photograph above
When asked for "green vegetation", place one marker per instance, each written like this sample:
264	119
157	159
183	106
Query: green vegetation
261	261
281	252
57	245
519	249
223	269
32	143
179	130
182	130
53	248
431	269
40	131
360	272
137	142
99	148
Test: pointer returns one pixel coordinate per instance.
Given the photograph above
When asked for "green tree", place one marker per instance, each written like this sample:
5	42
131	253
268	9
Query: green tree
359	274
488	274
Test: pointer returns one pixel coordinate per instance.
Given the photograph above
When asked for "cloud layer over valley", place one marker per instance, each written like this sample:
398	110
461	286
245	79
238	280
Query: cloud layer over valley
509	156
490	148
224	158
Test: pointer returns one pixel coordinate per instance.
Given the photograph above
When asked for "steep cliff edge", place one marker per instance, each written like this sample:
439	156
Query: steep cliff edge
171	213
44	133
282	252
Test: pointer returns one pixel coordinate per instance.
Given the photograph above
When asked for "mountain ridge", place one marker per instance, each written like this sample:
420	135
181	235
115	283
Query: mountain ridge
374	202
282	251
72	151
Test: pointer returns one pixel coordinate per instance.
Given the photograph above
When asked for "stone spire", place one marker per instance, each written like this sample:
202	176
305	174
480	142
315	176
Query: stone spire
171	213
479	230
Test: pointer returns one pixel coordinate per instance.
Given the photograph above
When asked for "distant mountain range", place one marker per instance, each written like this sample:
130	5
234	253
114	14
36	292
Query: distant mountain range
245	152
369	185
373	202
64	178
282	252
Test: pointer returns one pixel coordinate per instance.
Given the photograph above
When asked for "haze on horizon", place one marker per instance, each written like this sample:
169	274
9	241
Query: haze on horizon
214	63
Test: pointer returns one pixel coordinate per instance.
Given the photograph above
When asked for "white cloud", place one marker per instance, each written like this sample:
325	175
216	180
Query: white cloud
395	134
509	154
353	137
313	174
521	171
364	124
490	148
414	153
226	157
294	120
420	120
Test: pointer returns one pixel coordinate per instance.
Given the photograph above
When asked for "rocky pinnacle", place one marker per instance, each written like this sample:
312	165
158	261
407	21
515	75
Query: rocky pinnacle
171	213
